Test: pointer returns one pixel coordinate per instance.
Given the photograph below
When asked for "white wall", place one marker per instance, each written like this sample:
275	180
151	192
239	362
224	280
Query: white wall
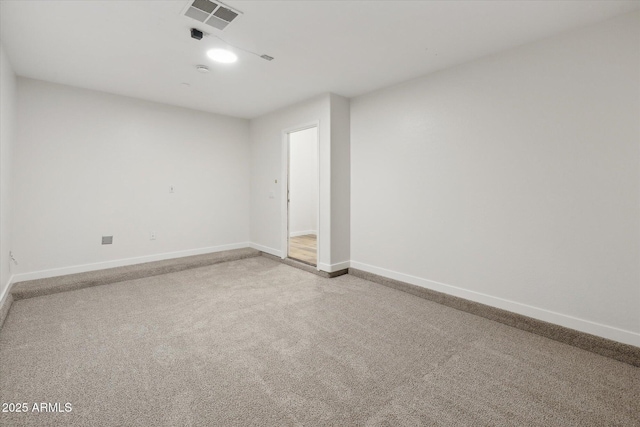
268	155
340	182
8	123
89	164
268	204
303	182
513	180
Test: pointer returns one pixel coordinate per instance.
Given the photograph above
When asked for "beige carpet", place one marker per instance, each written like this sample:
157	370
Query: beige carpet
256	342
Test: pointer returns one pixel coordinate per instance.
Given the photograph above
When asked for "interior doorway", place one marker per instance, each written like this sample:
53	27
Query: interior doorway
303	195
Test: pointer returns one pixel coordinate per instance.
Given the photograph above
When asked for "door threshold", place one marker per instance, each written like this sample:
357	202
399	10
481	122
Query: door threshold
304	262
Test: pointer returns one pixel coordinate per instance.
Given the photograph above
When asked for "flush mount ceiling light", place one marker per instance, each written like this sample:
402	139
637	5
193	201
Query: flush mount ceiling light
222	55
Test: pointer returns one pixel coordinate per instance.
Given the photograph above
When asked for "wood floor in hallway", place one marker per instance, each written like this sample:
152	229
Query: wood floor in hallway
304	248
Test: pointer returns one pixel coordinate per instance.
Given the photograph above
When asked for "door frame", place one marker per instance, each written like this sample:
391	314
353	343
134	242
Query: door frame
285	186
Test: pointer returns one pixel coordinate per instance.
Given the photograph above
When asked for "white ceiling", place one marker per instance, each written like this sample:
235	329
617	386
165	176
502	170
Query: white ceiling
143	48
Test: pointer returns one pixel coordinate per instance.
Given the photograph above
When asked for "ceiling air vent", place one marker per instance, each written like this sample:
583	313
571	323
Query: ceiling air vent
214	14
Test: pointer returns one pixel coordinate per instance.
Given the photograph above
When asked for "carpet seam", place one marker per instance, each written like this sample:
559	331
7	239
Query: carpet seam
622	352
18	295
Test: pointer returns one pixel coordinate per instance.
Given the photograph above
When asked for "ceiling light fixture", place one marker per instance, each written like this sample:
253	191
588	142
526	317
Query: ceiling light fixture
202	68
222	55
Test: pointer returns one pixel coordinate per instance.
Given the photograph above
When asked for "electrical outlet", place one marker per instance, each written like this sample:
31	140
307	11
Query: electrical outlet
152	235
107	240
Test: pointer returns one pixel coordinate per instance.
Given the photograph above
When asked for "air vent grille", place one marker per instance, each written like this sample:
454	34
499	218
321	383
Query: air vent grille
212	13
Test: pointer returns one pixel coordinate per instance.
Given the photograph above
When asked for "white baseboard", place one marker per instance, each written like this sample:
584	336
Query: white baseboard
123	262
303	233
6	290
266	249
330	268
604	331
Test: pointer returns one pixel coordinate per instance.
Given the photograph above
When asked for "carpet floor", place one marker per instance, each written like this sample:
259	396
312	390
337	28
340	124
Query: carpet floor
256	342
